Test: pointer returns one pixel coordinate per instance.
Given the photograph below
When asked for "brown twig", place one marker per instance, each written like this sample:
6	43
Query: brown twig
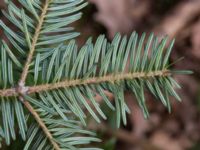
178	18
99	98
178	22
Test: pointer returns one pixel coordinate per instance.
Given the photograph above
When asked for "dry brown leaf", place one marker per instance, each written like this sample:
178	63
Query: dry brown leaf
2	4
195	39
119	15
165	142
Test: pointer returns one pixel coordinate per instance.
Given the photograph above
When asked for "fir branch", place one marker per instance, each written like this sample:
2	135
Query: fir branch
20	90
97	80
78	82
25	73
34	42
41	124
68	80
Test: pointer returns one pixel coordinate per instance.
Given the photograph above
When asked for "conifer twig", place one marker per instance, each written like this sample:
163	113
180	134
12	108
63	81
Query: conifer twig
24	74
76	82
34	42
96	80
42	125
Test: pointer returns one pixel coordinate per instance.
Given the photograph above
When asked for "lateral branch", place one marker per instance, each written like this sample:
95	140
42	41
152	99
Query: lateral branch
34	42
21	85
94	80
70	83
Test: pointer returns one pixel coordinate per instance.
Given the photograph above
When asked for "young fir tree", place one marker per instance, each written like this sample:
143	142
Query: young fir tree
47	82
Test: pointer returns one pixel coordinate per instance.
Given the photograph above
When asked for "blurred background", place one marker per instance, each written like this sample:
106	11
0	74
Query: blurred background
178	19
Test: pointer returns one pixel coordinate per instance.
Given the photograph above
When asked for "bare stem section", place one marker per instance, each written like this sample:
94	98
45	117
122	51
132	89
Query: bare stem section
34	42
8	92
96	80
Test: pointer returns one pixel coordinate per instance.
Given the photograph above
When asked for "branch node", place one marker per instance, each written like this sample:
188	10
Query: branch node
22	89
